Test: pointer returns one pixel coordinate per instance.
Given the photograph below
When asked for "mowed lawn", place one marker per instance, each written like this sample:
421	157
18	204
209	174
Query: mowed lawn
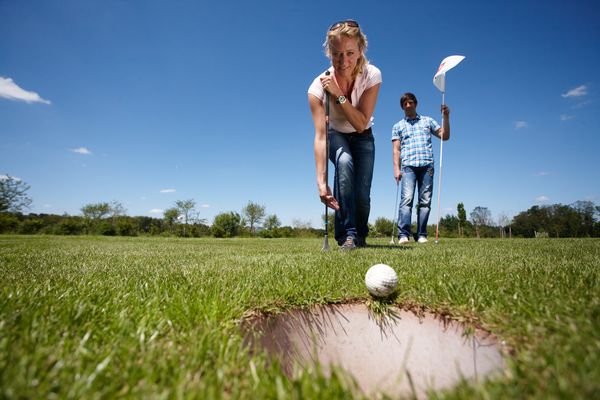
99	317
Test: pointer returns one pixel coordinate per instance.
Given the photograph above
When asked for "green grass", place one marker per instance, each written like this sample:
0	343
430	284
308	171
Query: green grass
96	317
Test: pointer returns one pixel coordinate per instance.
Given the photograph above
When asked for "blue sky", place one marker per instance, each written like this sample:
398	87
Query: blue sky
149	102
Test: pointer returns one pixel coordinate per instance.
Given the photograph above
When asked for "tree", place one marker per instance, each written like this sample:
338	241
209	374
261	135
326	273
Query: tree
449	224
503	222
170	216
271	225
557	220
254	213
95	211
481	216
462	218
383	227
589	213
185	209
13	194
297	223
115	211
226	225
272	222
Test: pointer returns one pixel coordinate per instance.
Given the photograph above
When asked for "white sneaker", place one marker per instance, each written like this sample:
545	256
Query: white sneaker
422	239
403	240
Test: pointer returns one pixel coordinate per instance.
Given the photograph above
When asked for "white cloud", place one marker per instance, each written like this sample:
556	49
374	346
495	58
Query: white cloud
541	173
81	150
156	211
566	117
168	190
542	199
47	206
11	91
521	124
205	206
576	92
581	105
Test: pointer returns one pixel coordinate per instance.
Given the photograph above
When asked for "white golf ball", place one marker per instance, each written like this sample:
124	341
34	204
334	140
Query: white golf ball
381	280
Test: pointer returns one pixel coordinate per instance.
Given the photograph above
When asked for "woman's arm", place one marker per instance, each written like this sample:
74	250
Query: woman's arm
360	115
318	113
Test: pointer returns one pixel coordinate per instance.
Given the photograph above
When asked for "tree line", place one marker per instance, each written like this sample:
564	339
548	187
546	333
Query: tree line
182	220
580	219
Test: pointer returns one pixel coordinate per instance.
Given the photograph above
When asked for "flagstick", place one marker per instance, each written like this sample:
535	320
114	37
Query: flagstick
437	226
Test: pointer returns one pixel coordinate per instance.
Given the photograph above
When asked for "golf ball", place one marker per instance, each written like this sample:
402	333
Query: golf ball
381	280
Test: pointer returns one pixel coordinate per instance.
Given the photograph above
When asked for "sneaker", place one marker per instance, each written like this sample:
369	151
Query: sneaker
422	240
403	240
361	242
348	244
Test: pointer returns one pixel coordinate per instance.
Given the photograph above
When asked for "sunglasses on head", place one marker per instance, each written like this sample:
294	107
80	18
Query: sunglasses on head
350	22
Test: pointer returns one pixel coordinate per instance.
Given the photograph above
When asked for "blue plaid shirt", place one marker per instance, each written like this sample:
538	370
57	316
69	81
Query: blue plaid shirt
415	140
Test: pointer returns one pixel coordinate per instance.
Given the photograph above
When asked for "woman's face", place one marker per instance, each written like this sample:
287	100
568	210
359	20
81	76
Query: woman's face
344	54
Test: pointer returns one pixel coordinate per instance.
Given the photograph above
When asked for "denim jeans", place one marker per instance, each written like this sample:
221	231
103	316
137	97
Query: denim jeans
353	157
423	178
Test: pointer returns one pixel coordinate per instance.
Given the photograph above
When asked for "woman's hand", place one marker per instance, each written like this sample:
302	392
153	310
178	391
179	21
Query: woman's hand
330	85
328	199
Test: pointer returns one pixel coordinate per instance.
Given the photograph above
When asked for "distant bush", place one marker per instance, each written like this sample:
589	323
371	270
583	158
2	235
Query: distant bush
69	226
226	225
8	223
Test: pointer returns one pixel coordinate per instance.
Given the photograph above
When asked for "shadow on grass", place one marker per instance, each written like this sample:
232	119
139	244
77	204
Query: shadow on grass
387	246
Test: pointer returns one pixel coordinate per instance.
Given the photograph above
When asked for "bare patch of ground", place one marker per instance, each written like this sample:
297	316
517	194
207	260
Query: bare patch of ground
396	354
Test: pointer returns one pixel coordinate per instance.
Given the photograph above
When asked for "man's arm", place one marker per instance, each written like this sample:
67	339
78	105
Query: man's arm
444	132
396	159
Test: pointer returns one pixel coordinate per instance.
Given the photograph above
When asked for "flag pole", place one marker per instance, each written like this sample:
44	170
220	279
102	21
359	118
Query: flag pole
439	80
437	225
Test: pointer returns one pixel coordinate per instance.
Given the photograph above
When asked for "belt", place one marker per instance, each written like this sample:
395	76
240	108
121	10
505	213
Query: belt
366	132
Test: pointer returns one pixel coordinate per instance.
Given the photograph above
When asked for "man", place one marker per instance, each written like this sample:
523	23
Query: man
413	164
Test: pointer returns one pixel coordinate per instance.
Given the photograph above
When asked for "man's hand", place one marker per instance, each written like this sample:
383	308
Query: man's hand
445	110
397	175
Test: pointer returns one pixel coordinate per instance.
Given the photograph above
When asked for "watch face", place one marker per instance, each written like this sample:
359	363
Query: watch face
342	99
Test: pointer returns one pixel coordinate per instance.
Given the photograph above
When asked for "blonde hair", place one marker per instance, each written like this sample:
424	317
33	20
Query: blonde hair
353	32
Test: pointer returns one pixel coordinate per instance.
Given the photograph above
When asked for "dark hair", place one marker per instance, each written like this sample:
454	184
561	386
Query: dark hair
407	96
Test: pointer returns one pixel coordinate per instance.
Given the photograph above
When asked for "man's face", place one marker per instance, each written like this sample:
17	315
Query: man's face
409	107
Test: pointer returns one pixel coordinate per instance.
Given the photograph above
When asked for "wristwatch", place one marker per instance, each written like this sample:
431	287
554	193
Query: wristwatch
341	99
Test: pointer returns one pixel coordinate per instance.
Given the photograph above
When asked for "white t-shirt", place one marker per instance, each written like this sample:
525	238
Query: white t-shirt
370	77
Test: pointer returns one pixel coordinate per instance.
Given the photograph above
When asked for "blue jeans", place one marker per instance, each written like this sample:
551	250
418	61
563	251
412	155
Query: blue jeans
353	157
423	178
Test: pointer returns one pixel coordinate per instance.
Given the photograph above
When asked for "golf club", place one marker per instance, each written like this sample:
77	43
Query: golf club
326	239
395	211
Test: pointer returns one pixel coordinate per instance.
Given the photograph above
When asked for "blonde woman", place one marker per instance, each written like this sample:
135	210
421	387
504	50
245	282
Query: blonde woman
353	86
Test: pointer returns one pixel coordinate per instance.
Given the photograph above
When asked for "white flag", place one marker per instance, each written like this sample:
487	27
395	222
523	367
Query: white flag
439	80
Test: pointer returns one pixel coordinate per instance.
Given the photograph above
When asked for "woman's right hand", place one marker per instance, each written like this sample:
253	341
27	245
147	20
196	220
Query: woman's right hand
330	85
328	199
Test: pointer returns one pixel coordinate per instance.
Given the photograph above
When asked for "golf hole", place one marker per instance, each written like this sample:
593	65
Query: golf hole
397	355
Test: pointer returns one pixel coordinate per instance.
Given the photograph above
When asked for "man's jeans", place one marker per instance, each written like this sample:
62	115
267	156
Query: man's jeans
353	157
423	178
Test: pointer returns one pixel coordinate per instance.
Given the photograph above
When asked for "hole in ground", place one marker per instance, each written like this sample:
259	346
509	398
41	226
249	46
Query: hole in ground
397	354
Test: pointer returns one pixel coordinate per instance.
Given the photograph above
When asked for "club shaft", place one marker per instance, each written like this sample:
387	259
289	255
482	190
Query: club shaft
326	239
394	222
